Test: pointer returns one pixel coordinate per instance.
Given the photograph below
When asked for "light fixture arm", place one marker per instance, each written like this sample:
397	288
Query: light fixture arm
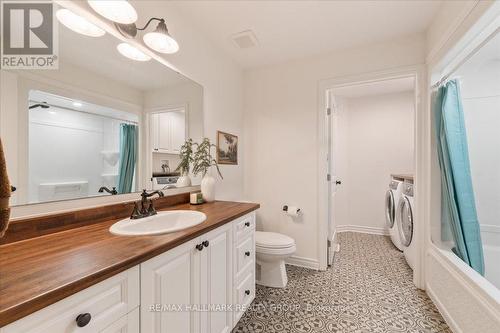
151	20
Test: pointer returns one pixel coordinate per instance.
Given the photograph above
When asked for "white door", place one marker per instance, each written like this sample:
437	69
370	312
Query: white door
217	278
168	283
333	181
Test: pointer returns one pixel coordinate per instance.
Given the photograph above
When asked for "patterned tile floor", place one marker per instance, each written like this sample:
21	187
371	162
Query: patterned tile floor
368	289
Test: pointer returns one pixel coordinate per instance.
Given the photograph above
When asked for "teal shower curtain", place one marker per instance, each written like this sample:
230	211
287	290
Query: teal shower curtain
128	157
458	203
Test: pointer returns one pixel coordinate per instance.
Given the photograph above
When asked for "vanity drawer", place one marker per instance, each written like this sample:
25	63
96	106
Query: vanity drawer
126	324
245	293
245	254
245	225
106	302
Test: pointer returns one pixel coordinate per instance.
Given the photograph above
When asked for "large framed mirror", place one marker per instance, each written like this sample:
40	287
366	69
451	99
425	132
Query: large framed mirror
101	124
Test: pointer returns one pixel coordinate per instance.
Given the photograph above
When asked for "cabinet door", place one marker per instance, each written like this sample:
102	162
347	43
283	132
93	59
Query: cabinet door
164	132
169	283
155	123
217	275
126	324
178	130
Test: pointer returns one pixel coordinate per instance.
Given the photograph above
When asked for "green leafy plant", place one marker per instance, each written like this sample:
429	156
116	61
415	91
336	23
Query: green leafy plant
186	155
203	159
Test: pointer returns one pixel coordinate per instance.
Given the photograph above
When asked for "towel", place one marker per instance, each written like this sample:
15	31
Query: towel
5	191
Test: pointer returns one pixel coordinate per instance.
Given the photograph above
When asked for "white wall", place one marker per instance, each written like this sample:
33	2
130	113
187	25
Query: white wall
281	147
377	133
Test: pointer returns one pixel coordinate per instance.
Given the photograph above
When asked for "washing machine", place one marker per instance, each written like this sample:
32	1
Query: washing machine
392	197
404	216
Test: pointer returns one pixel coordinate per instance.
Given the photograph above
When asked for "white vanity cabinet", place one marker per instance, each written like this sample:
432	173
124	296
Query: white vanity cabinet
168	131
243	264
187	288
201	286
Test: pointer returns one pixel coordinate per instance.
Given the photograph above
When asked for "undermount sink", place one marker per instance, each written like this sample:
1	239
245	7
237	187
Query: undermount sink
161	223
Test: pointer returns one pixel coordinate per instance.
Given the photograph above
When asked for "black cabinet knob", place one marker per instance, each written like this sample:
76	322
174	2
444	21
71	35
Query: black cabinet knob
247	224
205	243
247	292
199	247
247	253
83	319
13	189
338	182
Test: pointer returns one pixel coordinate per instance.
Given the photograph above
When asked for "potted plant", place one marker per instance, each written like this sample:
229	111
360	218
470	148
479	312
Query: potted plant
186	155
203	161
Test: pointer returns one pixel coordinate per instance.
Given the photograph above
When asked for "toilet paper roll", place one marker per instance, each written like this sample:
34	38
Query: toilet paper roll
293	211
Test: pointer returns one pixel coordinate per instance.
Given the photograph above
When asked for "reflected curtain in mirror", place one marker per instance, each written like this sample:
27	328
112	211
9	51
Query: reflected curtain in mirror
458	203
128	157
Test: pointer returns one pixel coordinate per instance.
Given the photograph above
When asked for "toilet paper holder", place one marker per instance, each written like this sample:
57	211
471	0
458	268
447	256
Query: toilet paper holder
285	209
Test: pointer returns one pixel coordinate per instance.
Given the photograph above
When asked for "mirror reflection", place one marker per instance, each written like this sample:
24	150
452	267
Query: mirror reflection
101	124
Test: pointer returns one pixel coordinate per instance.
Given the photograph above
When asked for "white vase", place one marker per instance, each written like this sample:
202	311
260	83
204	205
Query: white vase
183	181
208	188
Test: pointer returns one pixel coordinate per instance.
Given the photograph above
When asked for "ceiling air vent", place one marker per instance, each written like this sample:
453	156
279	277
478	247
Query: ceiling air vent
245	39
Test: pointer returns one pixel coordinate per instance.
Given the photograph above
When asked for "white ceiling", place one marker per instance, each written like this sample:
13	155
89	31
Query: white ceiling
295	29
376	88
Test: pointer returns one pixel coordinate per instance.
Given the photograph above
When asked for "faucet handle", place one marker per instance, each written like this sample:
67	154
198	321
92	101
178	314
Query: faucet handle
136	214
151	208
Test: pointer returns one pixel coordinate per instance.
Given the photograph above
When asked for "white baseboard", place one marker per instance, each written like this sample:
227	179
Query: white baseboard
362	229
303	262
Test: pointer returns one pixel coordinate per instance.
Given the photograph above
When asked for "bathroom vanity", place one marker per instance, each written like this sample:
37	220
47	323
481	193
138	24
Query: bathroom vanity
196	280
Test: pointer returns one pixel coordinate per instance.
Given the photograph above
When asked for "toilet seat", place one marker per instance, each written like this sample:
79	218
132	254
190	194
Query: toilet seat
272	240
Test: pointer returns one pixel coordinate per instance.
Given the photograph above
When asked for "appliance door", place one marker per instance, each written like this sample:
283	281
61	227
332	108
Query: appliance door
390	208
405	220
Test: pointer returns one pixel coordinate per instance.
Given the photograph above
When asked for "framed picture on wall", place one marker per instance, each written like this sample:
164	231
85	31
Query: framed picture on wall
227	148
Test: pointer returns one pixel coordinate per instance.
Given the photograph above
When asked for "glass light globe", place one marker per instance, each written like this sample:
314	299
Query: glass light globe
131	52
78	24
161	42
120	11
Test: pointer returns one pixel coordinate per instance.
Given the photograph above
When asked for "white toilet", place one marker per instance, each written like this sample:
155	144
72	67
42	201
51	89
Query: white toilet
271	250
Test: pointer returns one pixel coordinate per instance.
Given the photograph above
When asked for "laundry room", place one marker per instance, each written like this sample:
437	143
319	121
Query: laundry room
372	146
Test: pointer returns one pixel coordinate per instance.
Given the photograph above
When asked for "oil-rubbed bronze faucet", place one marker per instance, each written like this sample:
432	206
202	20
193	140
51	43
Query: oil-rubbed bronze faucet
112	191
145	207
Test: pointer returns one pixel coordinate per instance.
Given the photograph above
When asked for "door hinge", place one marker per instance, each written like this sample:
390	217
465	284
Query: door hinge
328	111
328	177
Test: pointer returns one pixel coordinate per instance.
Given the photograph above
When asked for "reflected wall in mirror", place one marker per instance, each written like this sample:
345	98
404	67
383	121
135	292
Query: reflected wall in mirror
102	124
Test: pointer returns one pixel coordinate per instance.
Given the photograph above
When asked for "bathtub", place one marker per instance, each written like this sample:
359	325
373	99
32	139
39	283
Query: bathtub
490	235
467	301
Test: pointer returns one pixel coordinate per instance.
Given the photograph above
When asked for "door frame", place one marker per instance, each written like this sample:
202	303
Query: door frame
421	155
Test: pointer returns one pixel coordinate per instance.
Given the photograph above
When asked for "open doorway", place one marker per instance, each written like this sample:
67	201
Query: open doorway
370	130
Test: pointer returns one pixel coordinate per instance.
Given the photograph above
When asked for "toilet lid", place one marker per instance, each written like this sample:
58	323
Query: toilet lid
272	240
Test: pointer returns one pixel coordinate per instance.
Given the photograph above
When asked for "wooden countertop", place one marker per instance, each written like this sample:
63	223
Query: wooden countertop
37	272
